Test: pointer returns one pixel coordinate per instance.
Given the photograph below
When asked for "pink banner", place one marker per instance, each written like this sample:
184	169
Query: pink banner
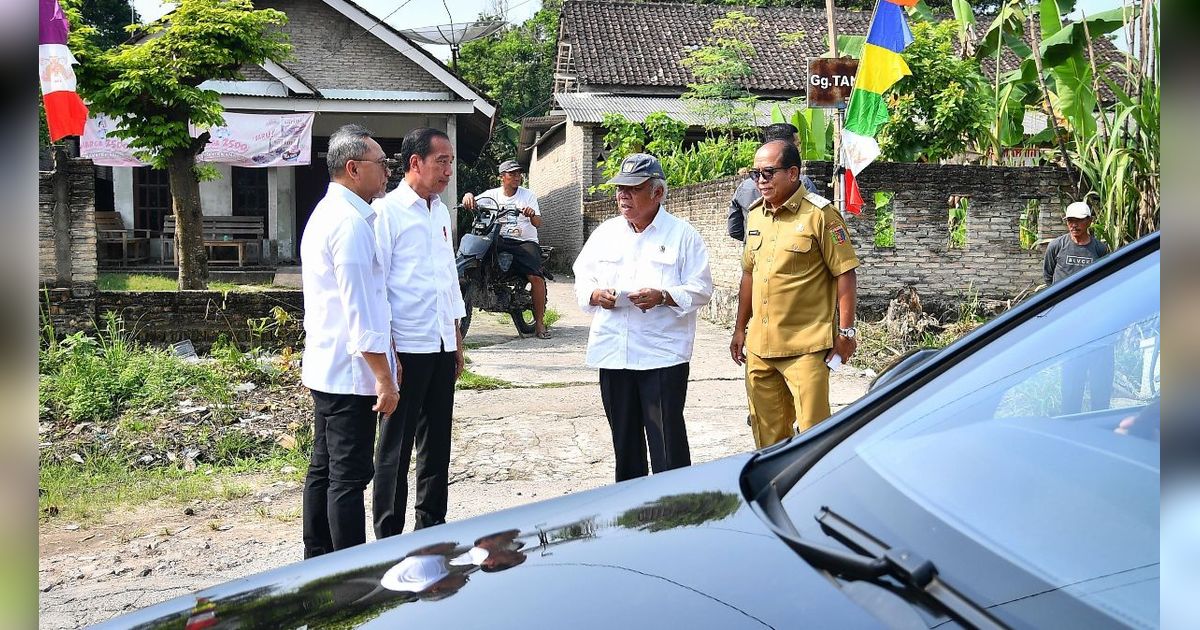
250	140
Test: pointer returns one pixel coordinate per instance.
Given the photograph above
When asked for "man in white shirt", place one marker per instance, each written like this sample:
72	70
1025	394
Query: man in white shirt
417	249
348	362
521	240
643	275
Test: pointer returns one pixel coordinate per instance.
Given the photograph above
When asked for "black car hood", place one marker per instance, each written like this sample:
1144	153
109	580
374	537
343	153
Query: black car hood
678	549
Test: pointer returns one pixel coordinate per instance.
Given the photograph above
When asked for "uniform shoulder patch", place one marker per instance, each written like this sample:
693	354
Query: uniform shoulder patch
817	200
838	232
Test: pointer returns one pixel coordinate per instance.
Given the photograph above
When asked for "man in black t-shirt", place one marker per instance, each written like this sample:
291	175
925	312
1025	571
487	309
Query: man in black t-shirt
1074	250
1067	255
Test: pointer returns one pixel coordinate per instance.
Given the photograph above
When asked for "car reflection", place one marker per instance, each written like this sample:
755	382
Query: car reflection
439	571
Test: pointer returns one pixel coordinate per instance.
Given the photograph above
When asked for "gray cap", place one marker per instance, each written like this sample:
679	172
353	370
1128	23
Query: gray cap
508	166
637	168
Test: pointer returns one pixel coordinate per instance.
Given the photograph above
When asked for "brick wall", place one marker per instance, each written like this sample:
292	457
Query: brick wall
992	264
555	177
333	52
164	317
67	233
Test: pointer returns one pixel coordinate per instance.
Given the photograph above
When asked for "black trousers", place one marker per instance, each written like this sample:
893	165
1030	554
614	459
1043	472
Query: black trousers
646	406
422	419
338	472
1093	369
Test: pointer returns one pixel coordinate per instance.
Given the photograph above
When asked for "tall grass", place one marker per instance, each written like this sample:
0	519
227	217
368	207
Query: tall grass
1120	165
98	377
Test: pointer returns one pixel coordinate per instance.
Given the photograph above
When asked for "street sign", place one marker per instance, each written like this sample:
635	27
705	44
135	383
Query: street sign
830	81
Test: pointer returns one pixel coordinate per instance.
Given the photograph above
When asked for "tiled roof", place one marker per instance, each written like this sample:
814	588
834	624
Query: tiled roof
642	43
626	45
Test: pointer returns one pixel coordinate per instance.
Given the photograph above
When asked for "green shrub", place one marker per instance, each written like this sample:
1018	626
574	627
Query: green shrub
98	377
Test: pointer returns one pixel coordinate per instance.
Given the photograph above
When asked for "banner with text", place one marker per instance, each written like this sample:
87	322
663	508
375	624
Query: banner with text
250	140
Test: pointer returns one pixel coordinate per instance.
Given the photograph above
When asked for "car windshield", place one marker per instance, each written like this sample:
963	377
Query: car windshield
1029	472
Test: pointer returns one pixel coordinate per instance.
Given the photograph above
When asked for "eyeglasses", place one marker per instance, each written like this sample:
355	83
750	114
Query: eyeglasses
767	171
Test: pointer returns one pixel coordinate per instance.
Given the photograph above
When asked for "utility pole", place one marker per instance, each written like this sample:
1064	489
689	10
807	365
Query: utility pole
835	182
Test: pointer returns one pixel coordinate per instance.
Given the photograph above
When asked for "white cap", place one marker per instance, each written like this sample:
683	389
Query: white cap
415	574
1078	210
473	556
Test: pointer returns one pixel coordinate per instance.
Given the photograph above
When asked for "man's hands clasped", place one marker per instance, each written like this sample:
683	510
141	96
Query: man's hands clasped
644	299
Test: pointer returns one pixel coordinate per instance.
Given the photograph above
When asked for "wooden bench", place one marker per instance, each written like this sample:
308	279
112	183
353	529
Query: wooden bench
238	233
110	230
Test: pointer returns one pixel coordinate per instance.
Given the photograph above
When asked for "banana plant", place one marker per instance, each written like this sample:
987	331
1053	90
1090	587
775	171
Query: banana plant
815	131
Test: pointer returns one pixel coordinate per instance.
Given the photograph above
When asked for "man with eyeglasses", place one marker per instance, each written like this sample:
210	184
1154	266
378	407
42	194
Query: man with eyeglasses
417	252
642	276
798	265
348	362
747	191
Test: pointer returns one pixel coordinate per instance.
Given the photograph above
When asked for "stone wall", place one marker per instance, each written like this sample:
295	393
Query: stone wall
992	264
165	317
67	244
67	224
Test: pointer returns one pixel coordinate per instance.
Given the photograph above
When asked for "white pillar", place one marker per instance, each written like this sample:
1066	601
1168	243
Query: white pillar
216	196
123	193
281	211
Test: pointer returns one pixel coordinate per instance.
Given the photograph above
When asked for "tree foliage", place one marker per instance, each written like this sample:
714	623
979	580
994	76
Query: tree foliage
721	69
109	18
152	89
942	107
683	162
515	68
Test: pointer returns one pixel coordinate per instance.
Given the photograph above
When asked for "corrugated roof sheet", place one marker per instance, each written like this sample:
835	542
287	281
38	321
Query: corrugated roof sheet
590	108
247	88
386	95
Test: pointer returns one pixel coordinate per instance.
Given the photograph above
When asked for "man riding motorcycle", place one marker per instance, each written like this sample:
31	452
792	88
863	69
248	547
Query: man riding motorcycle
521	239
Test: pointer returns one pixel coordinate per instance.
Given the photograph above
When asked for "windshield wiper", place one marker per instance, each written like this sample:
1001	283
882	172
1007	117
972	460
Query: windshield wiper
872	561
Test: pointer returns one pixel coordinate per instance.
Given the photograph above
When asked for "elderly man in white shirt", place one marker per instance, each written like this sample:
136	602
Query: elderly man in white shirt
643	275
417	248
348	363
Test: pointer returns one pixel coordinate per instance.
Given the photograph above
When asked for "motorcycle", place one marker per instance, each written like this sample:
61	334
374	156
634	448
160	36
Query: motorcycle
484	274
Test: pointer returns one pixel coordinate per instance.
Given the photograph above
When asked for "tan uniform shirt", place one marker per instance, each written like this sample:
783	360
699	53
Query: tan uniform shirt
795	254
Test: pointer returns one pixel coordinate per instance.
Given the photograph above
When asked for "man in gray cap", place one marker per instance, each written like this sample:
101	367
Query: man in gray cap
521	239
643	275
1067	255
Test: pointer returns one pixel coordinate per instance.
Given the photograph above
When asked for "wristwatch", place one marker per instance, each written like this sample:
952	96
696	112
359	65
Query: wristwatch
665	296
848	333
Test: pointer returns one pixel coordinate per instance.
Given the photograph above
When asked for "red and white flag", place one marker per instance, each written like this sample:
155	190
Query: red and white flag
65	112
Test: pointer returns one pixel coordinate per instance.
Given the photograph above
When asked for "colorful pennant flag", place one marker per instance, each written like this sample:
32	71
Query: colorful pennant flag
880	67
66	114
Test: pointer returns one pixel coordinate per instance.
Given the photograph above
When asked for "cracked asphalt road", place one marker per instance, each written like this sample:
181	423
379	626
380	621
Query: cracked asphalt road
545	437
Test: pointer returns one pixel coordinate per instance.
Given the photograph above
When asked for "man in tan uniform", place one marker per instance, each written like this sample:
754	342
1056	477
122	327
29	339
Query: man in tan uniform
798	263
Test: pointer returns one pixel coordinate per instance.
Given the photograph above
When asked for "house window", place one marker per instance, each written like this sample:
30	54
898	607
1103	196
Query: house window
250	197
151	199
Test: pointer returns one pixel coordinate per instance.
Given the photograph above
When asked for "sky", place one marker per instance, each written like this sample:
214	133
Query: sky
402	14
